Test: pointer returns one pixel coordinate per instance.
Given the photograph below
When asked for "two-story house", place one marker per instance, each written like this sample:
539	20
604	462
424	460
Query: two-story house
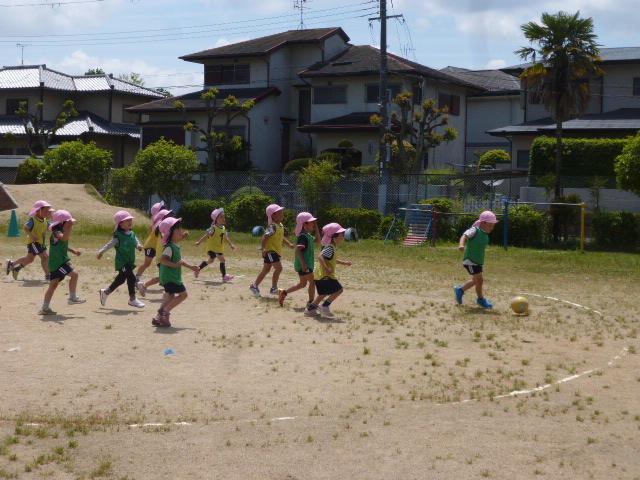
101	102
613	112
311	89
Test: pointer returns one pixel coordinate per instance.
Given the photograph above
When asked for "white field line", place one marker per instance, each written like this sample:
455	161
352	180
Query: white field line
564	301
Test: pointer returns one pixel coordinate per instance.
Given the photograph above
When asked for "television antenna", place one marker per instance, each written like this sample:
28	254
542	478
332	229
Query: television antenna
22	46
301	5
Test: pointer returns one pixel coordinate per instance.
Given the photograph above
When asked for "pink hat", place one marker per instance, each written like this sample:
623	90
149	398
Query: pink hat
486	216
328	231
121	216
216	213
271	209
59	217
165	228
157	207
38	205
303	217
159	216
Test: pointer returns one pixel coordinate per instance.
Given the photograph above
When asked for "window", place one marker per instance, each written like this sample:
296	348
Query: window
523	159
13	104
129	117
636	86
330	94
417	94
373	92
226	74
304	107
451	101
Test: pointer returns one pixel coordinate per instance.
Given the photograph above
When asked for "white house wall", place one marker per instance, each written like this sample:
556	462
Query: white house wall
618	87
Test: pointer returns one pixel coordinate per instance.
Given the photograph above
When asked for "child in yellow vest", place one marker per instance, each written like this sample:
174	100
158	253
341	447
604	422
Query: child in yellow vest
152	246
216	236
272	249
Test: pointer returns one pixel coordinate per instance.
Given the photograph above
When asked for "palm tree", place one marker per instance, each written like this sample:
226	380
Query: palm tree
565	53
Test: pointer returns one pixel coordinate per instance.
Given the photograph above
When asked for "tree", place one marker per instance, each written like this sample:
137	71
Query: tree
132	77
627	166
39	132
221	142
564	53
94	71
317	182
166	169
76	162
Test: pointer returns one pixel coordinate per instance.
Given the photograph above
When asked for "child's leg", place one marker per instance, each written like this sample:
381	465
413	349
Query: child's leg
175	301
50	291
300	285
476	280
333	296
223	265
144	266
73	283
318	301
131	282
44	261
265	269
312	288
119	280
23	261
206	262
277	270
153	281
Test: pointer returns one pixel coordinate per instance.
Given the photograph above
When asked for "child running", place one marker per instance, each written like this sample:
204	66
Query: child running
216	236
327	283
272	249
473	243
171	263
59	261
152	247
307	231
125	242
36	229
150	243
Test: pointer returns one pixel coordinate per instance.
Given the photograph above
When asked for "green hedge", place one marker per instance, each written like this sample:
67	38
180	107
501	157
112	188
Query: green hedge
400	229
616	230
197	213
28	171
366	222
583	157
248	211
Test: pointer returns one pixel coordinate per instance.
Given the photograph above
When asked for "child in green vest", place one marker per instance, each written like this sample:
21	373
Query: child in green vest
307	231
59	261
125	242
171	263
473	243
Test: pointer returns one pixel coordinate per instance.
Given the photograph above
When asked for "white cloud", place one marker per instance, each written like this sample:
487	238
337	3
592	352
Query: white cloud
495	65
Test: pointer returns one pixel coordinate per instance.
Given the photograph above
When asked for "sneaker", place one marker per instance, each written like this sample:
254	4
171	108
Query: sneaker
163	318
46	311
142	290
227	277
155	322
459	294
273	291
282	295
77	300
9	266
136	303
255	290
103	297
326	310
15	272
484	303
309	302
196	273
311	313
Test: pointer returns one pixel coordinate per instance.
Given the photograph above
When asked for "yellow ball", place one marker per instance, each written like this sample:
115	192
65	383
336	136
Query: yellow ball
519	305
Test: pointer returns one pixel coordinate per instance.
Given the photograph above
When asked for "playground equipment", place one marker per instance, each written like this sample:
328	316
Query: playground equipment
420	221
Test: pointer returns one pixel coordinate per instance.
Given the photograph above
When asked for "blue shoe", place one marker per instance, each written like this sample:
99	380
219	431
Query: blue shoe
459	294
484	303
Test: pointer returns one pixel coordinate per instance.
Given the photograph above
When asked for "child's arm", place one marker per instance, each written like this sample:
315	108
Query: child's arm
463	243
204	237
30	234
303	264
184	263
286	240
343	262
166	260
324	263
139	246
264	243
316	232
114	242
233	247
68	227
77	253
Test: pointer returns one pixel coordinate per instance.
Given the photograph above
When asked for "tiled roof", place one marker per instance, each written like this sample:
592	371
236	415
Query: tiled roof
194	102
33	76
622	120
608	55
85	122
490	80
365	60
266	45
353	122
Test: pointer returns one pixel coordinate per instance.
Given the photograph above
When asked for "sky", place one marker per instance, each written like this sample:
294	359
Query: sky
148	36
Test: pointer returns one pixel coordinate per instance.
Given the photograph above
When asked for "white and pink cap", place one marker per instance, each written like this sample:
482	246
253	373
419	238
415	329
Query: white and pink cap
486	216
157	207
165	228
328	231
159	216
271	209
216	213
303	217
38	205
59	217
121	216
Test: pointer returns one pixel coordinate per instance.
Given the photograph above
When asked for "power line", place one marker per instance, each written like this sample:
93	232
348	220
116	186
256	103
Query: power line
48	4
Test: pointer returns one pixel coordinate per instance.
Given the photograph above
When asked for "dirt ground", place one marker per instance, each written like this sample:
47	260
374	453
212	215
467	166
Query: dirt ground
400	384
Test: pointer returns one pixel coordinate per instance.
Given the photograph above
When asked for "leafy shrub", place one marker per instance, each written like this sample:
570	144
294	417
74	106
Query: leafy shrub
528	227
248	190
616	229
76	162
400	229
28	171
247	211
197	213
494	156
329	157
366	222
568	216
297	165
444	224
317	182
627	166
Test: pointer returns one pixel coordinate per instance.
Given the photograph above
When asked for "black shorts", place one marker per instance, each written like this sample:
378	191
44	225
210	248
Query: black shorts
302	273
473	269
174	288
213	254
328	286
64	270
150	252
271	257
36	248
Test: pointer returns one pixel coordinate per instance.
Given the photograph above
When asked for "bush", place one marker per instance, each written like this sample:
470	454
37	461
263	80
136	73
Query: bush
76	162
400	229
297	165
366	222
248	190
445	225
197	213
616	229
247	211
28	171
528	227
492	157
627	166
